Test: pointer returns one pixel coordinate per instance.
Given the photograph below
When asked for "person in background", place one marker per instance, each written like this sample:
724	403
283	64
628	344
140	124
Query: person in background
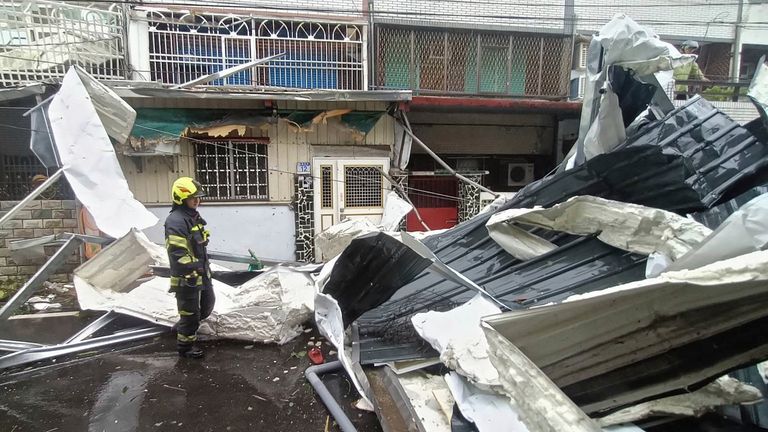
186	241
687	72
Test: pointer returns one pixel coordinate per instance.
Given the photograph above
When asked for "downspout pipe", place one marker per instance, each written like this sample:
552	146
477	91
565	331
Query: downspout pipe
738	29
312	374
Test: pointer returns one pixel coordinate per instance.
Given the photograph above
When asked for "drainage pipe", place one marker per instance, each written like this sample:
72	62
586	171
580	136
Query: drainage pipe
338	414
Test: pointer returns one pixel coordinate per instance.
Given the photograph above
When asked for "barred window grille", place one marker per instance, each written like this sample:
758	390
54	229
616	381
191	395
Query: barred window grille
317	55
233	169
326	184
362	187
16	179
41	39
471	62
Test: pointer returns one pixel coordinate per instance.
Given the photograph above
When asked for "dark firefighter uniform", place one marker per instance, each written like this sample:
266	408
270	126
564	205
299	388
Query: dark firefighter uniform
186	240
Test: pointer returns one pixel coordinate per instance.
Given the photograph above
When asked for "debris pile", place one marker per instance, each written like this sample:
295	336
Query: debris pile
590	299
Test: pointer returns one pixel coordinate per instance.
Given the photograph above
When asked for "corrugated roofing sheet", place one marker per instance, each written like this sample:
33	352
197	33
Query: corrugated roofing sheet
693	159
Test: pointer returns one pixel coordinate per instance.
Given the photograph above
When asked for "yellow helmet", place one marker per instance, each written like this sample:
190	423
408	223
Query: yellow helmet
186	187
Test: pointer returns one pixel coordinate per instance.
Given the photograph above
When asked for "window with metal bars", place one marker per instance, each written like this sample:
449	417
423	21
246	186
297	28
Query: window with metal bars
326	185
362	186
233	169
17	179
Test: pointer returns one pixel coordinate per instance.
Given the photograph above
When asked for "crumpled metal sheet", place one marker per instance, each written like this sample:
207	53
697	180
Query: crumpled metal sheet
613	348
268	308
361	265
81	134
630	227
723	391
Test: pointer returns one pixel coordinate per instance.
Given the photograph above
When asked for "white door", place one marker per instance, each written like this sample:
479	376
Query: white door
348	189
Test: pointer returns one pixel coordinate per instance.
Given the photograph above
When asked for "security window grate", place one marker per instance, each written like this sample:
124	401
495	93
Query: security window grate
233	169
362	186
326	184
17	179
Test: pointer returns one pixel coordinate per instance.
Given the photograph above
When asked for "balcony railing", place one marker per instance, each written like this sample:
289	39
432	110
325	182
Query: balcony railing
455	62
40	39
713	90
185	46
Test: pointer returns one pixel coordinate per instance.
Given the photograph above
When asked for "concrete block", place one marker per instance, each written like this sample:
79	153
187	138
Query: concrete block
33	223
11	224
61	230
68	204
61	214
9	271
42	214
7	233
69	223
23	214
34	205
52	223
27	270
52	204
7	205
43	232
5	252
24	233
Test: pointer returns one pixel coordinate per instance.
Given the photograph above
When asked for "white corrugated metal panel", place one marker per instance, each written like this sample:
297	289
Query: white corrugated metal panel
741	112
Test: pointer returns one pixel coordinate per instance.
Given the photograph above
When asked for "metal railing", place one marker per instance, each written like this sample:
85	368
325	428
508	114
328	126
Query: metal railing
184	46
712	90
40	39
469	62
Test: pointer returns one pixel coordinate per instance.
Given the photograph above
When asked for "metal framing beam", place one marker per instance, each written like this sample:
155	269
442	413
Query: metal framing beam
227	72
93	327
48	352
13	345
36	281
32	195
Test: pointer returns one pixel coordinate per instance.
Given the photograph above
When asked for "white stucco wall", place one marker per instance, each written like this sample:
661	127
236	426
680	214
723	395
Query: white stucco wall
754	31
268	230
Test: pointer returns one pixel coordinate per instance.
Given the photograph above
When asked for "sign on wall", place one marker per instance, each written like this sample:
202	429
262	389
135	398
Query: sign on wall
303	168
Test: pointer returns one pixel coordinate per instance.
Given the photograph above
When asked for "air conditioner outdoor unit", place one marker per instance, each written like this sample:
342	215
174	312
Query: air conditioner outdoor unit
519	173
581	52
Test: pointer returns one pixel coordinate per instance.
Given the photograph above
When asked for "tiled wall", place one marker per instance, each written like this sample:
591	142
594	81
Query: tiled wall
38	219
305	219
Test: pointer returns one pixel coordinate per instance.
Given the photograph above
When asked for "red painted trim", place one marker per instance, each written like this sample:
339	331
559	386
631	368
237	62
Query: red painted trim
494	104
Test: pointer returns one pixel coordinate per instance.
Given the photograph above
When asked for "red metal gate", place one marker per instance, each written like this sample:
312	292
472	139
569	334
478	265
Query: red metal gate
436	198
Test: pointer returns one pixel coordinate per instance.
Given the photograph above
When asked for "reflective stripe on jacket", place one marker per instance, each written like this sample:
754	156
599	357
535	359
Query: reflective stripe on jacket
185	241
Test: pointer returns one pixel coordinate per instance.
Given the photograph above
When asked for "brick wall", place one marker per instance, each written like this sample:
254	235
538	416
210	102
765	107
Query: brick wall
39	218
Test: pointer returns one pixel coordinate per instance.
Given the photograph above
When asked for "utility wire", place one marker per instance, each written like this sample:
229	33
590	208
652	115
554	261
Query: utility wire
419	192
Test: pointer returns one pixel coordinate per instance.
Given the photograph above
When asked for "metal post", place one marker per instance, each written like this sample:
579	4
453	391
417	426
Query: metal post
736	65
32	195
509	67
36	281
446	58
541	63
412	67
478	56
429	151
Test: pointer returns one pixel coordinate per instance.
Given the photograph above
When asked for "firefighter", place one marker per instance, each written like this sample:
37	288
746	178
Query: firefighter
186	240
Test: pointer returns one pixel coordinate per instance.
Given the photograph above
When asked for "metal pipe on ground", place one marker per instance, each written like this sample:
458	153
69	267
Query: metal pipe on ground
312	374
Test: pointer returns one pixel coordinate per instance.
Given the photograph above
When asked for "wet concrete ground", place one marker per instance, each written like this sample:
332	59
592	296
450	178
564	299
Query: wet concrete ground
237	387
